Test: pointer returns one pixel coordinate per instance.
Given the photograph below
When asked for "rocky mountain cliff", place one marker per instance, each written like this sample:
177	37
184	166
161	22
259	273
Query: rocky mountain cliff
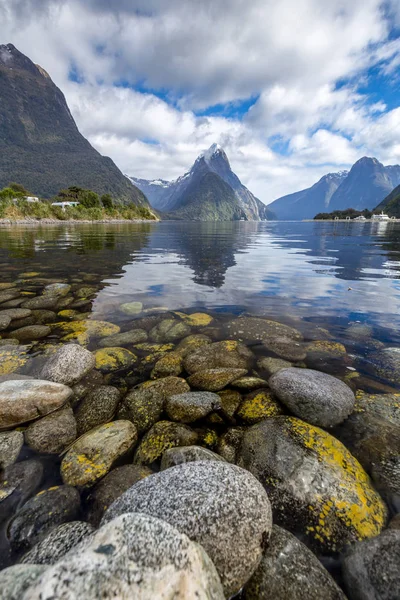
391	204
40	144
209	191
364	186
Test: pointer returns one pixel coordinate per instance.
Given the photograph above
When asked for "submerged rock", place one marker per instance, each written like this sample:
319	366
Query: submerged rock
134	556
256	329
315	397
168	365
286	348
131	308
371	568
127	338
163	435
12	357
192	406
26	400
42	513
316	487
386	364
98	407
169	330
114	359
10	446
57	543
86	330
185	454
229	443
220	506
258	405
214	380
226	355
53	433
18	482
196	319
92	455
18	578
290	571
143	407
111	487
68	365
57	289
191	343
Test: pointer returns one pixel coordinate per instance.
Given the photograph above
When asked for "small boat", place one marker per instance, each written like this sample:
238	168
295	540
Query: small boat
381	217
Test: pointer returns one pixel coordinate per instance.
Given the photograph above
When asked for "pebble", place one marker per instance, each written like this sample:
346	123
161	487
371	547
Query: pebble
42	513
220	506
315	397
10	446
53	433
32	332
191	406
25	400
214	380
93	455
135	336
163	435
57	543
131	308
69	365
134	556
98	407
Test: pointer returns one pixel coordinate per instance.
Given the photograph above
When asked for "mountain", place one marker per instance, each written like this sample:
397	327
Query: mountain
364	186
40	144
367	184
391	204
307	203
209	191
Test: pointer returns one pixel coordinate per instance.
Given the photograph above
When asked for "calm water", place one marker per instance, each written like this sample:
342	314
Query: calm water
329	273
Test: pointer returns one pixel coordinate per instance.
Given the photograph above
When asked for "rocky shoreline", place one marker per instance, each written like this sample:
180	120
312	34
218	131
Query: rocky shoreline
169	454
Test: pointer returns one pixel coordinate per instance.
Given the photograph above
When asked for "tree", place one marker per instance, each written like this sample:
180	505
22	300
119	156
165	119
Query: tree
107	201
89	199
18	188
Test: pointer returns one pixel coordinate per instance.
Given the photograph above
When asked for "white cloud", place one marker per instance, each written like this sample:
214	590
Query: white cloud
303	60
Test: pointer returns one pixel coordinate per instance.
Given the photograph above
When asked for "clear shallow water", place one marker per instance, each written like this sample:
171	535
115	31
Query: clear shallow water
283	270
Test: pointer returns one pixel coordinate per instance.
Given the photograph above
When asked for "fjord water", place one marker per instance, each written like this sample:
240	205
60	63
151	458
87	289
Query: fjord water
324	272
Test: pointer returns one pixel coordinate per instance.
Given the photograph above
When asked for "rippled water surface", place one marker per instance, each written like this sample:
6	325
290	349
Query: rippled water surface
326	272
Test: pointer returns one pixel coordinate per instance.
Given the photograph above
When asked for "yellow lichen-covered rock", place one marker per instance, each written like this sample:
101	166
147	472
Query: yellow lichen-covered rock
163	435
154	348
213	380
326	347
68	313
227	354
84	331
92	455
170	364
259	405
192	342
196	319
316	487
114	359
12	358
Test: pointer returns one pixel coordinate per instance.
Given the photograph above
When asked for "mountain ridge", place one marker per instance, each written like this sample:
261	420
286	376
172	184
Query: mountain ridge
365	185
40	144
171	197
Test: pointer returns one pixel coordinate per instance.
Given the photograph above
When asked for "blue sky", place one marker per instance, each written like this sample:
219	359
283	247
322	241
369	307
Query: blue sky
291	90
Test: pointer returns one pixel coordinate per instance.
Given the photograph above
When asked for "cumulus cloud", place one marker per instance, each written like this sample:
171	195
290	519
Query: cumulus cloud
151	83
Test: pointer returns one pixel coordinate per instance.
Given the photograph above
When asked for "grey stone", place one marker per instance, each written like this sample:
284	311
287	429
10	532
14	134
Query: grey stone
160	437
286	348
168	365
131	308
111	487
9	342
251	329
93	454
14	303
220	506
169	330
191	406
43	316
143	407
135	336
371	568
249	383
18	578
191	343
272	365
168	386
315	397
134	556
29	399
32	332
5	320
57	289
10	446
16	313
229	443
8	295
53	433
57	543
214	380
42	513
18	483
395	522
185	454
47	302
317	489
290	571
220	355
69	365
97	407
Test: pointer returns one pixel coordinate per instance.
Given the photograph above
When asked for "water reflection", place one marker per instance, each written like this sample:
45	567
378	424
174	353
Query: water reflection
307	270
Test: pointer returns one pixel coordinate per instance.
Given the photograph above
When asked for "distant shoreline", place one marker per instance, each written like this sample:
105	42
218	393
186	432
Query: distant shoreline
8	222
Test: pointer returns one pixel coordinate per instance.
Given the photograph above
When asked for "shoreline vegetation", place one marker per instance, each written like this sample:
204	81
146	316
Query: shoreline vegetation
17	205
